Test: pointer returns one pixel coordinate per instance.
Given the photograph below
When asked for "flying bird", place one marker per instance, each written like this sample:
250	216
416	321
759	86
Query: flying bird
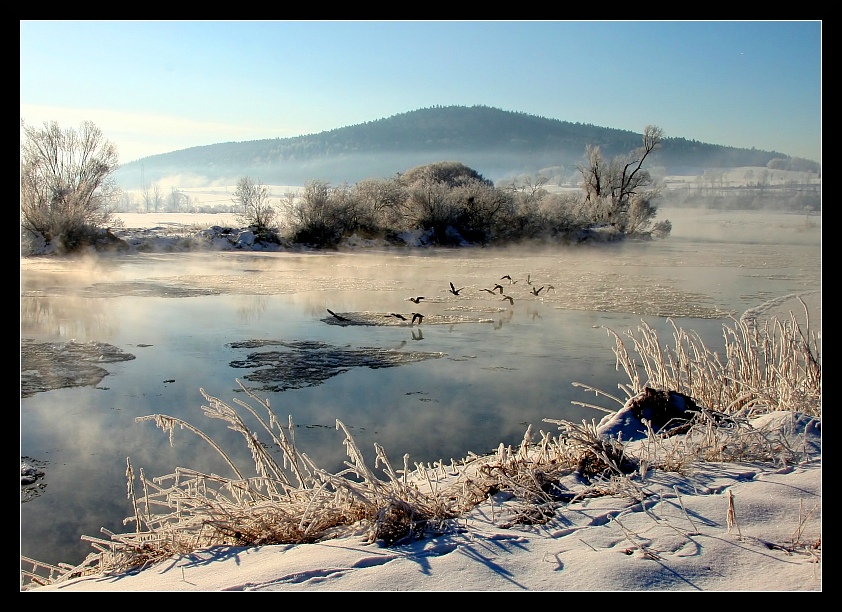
417	315
536	291
399	316
550	288
337	316
528	279
454	290
500	287
506	297
506	276
417	300
491	291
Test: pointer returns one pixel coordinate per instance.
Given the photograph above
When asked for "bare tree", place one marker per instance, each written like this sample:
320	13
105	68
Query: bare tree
253	205
127	202
177	201
534	186
311	207
66	183
383	200
620	191
594	174
480	210
430	205
319	215
152	197
527	187
287	206
763	182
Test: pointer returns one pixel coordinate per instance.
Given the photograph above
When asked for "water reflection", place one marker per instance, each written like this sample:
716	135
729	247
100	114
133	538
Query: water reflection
251	308
198	320
64	317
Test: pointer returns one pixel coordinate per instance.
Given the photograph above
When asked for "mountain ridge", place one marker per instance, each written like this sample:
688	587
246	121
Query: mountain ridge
495	142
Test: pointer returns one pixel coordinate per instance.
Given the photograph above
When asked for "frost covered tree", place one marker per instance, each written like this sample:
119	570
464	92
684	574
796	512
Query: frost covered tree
66	185
153	197
253	205
620	191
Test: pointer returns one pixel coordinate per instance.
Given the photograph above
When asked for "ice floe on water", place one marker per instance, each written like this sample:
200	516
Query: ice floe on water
31	478
309	363
45	366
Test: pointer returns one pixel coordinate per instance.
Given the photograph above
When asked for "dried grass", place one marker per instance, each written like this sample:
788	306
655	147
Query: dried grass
765	368
291	500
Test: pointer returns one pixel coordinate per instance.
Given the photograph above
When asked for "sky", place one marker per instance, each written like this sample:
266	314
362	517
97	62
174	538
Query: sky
159	86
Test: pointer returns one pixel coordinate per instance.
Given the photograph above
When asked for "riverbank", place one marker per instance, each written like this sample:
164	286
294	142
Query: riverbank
717	527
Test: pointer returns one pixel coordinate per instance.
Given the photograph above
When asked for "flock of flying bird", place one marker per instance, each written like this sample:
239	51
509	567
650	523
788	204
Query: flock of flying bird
417	316
536	291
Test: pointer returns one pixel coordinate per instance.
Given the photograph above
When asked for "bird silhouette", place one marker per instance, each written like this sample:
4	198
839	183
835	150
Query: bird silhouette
550	288
536	291
399	316
417	315
454	290
337	316
528	279
511	300
491	291
417	300
506	276
500	287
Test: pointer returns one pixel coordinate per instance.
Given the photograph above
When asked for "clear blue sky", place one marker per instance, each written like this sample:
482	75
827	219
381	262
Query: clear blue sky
160	86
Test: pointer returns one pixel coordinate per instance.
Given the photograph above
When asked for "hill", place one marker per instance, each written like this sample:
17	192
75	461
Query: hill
499	144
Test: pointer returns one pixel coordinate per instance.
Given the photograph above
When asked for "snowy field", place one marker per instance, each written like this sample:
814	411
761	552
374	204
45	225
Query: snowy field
176	220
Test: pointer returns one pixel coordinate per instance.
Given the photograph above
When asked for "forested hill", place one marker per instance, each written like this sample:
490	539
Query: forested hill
496	143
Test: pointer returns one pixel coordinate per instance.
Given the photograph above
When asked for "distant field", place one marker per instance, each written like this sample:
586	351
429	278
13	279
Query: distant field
216	196
175	220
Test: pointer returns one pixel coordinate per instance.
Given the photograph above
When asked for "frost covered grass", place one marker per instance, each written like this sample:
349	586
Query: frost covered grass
773	366
285	498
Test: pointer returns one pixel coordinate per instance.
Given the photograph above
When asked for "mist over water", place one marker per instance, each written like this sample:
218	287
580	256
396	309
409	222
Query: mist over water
494	368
